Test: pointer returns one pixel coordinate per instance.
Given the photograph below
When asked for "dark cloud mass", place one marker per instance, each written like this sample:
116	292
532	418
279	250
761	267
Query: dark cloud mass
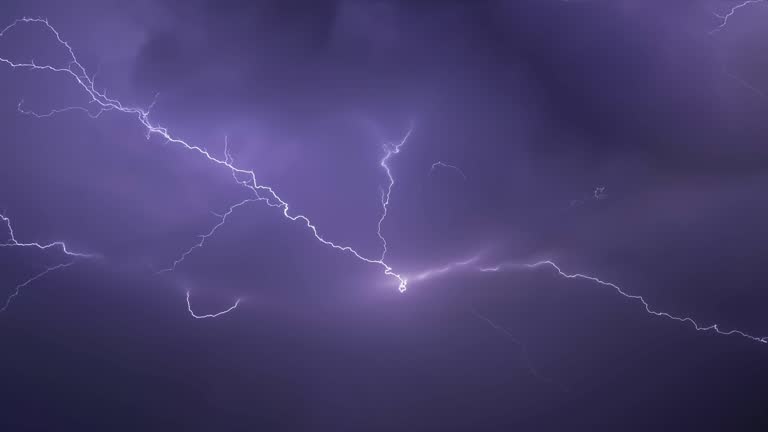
537	102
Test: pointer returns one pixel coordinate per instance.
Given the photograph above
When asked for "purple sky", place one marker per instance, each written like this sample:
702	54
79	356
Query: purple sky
537	103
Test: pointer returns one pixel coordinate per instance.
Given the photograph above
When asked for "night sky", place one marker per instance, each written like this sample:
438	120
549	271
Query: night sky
624	140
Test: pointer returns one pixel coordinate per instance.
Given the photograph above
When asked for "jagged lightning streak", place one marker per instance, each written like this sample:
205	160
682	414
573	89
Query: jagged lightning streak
218	314
12	242
724	18
548	263
244	177
467	265
389	150
441	164
17	289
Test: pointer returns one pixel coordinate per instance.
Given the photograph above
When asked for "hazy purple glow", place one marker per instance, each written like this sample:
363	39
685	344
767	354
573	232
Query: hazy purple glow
628	146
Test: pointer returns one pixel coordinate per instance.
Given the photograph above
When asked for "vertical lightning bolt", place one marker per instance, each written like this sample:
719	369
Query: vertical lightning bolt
12	242
389	151
101	102
440	164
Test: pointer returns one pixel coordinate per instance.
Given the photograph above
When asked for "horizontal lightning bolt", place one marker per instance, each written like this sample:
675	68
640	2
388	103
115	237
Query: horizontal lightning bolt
13	242
713	328
431	273
548	263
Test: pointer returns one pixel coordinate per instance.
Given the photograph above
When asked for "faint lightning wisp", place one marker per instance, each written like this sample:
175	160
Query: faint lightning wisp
218	314
440	164
389	150
12	242
244	177
744	83
523	350
599	193
204	237
727	16
450	268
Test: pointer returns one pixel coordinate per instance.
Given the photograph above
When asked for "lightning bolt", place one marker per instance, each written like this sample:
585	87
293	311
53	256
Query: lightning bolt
637	298
266	194
523	350
710	328
724	18
17	289
206	236
440	164
215	315
389	151
431	273
12	242
244	177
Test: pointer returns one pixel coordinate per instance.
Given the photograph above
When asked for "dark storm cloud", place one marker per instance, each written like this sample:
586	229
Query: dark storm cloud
538	102
610	79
